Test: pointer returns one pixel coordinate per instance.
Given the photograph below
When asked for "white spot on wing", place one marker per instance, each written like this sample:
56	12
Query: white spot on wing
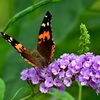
4	34
47	23
11	38
46	16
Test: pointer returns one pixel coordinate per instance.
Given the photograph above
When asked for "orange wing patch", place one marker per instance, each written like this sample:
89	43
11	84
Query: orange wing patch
19	47
52	52
43	36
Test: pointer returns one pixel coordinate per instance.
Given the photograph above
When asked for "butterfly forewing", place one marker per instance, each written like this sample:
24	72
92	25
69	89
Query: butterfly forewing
25	53
45	43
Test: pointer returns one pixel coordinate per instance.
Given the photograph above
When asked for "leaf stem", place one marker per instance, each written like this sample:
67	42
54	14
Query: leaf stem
16	93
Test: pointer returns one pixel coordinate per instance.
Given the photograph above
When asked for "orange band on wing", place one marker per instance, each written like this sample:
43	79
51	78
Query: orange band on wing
52	52
19	47
43	36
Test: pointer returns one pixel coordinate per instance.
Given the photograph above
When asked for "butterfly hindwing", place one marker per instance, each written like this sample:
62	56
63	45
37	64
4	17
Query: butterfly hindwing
46	45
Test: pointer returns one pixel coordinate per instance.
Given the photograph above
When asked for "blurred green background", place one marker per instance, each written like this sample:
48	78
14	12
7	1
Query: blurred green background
67	15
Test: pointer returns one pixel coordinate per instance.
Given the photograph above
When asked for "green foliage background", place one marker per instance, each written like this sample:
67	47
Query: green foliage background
67	17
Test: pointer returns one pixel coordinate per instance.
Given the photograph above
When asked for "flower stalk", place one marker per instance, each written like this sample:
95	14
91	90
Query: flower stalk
80	91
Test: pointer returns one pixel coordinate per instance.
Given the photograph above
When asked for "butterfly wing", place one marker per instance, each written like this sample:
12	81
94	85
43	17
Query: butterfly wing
46	45
22	50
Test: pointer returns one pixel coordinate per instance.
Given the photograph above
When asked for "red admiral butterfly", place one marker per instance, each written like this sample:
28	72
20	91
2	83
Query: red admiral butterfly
45	46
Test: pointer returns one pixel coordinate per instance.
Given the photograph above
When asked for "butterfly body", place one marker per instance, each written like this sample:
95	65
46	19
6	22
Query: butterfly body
39	58
45	46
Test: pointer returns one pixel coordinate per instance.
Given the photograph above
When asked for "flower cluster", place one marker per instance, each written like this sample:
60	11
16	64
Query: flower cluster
63	71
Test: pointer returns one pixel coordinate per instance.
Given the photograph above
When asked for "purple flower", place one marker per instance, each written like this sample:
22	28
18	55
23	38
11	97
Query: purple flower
92	84
96	64
46	73
60	74
55	70
87	64
67	81
95	79
75	65
61	88
65	56
79	78
35	79
98	89
24	74
89	56
63	63
85	72
43	88
49	82
69	73
32	72
57	82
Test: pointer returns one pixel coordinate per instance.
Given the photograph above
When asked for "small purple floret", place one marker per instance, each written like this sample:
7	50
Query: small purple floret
43	88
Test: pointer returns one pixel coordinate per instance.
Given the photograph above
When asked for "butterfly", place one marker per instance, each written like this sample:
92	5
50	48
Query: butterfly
45	46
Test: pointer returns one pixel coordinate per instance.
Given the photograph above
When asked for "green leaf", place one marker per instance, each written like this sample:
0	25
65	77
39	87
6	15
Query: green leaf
2	89
56	0
61	96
